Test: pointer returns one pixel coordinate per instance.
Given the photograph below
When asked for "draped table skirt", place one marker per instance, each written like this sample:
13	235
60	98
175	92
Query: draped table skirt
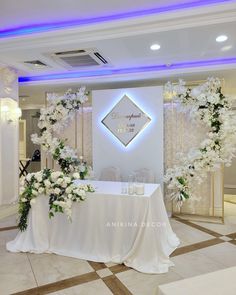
106	227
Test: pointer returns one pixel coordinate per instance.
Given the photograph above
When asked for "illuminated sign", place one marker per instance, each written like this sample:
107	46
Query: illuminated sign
126	120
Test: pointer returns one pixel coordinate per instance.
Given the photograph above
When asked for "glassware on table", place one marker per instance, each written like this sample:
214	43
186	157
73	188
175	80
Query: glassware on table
124	188
131	187
139	185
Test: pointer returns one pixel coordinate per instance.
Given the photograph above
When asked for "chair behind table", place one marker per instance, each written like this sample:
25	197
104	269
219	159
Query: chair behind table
110	174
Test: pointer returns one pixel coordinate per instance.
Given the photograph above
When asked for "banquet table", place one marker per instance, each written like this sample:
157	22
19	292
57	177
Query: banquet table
107	227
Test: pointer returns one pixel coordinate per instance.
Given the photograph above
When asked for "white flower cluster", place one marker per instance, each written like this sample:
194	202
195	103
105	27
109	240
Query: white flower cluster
52	120
207	104
59	187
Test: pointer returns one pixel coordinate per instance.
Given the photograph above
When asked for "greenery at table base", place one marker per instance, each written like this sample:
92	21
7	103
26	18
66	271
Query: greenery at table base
58	187
207	104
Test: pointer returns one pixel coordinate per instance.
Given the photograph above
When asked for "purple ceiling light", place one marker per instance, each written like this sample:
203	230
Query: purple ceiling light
47	27
133	70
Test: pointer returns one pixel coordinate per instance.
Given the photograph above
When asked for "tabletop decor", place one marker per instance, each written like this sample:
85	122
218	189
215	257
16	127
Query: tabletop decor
58	186
53	119
207	104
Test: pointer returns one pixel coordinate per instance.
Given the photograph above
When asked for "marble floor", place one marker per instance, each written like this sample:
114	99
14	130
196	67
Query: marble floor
204	248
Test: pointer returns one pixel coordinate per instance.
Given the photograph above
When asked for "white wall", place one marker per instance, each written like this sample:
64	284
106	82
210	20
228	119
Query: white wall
146	150
9	142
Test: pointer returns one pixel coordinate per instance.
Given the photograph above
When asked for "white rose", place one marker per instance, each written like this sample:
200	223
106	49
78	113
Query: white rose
22	189
53	176
34	192
47	183
56	175
76	175
36	185
23	200
67	179
41	190
28	177
59	181
81	168
64	184
69	190
33	201
39	178
57	191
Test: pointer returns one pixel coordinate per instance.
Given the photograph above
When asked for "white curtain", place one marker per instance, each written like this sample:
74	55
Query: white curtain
180	135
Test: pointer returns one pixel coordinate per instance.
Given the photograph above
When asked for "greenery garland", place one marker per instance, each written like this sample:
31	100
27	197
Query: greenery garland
59	187
53	119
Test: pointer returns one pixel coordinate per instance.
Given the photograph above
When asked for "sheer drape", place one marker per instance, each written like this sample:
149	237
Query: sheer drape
180	135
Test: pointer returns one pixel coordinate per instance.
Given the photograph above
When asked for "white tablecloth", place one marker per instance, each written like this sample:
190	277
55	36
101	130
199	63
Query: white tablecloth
106	227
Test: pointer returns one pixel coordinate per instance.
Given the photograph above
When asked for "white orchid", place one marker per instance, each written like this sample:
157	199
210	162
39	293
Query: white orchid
207	104
53	119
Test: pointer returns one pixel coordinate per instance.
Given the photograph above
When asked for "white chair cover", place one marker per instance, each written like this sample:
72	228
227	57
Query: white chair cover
145	174
110	174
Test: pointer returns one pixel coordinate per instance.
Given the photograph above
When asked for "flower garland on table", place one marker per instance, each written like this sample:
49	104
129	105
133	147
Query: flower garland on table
207	104
53	119
61	190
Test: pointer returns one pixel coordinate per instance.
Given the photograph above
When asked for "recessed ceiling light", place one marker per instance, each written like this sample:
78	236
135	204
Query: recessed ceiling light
35	64
221	38
226	48
155	47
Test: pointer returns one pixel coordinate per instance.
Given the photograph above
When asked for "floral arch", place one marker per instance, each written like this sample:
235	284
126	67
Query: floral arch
207	104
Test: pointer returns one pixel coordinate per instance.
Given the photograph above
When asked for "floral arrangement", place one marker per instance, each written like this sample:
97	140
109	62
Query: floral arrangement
53	119
207	104
59	187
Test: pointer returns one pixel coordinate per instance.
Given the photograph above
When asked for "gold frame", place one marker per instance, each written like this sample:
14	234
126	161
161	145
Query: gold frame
208	218
76	133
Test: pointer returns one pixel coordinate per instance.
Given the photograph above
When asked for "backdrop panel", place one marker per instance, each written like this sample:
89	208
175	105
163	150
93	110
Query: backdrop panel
146	150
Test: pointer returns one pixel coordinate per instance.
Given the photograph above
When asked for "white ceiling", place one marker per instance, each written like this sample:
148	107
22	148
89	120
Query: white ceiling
27	12
184	36
190	44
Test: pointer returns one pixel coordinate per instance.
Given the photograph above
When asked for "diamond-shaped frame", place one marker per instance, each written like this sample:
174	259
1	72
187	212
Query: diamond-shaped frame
146	118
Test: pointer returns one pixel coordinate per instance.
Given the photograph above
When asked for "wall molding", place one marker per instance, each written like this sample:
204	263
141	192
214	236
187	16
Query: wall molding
230	186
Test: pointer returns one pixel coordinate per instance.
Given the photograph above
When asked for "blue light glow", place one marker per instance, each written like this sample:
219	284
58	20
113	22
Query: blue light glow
139	137
134	70
47	27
